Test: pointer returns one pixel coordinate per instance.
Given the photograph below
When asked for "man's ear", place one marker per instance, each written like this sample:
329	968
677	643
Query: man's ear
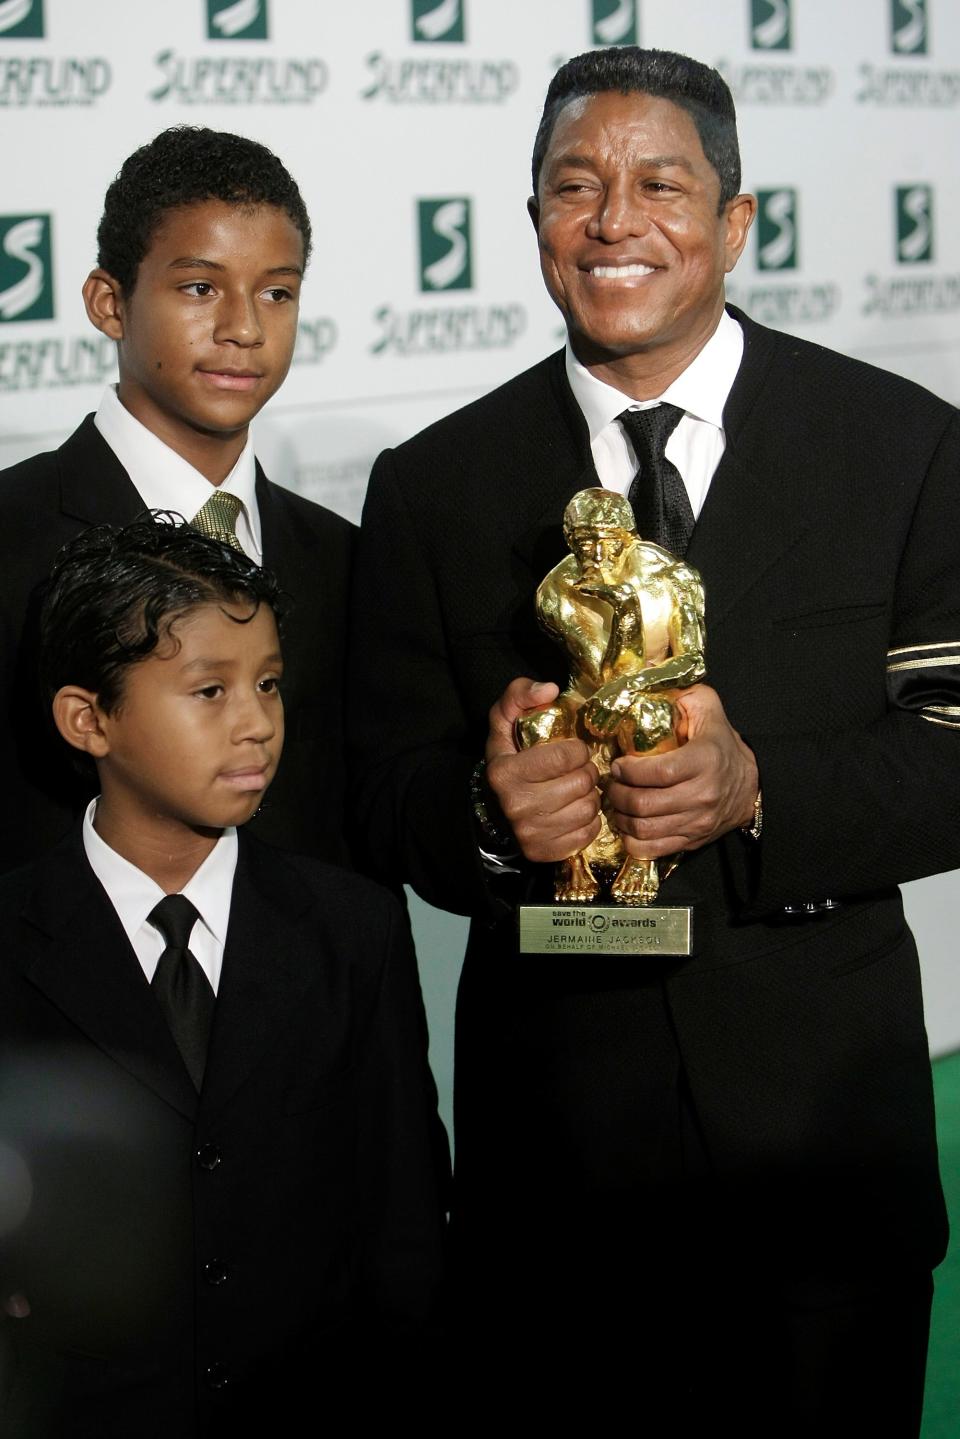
739	216
533	210
103	300
79	718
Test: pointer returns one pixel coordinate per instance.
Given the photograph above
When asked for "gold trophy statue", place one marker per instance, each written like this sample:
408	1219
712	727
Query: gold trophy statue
631	618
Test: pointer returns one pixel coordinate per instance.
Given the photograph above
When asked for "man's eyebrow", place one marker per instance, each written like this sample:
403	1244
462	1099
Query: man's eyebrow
641	162
664	162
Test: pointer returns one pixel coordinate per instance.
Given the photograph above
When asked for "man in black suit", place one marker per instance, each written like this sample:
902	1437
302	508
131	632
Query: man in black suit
203	245
218	1204
706	1183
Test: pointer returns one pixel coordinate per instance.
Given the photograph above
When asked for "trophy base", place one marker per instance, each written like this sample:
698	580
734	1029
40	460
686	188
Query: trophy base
657	931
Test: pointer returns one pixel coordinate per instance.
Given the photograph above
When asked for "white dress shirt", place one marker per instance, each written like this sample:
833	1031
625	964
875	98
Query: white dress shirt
134	894
697	444
166	481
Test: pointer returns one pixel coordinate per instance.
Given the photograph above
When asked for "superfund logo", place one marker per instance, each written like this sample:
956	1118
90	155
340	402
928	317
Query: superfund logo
444	77
770	24
26	268
39	77
445	248
228	76
913	84
914	219
916	287
21	19
614	22
777	229
766	78
444	270
779	296
54	361
237	20
437	21
909	27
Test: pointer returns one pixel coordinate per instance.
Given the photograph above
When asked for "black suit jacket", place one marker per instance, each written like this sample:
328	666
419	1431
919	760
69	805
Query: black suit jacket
281	1231
827	539
46	500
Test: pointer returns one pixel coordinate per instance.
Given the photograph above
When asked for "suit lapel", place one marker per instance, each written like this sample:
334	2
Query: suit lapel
272	528
292	552
287	546
269	963
94	486
749	518
560	441
82	961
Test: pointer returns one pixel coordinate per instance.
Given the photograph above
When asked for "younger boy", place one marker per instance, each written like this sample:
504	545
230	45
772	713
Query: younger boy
202	248
217	1199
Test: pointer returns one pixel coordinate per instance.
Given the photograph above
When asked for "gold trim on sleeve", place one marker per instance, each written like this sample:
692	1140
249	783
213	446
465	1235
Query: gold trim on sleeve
909	649
927	664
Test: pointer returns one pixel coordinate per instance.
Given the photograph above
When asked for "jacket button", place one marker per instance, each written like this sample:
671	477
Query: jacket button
216	1376
215	1271
208	1156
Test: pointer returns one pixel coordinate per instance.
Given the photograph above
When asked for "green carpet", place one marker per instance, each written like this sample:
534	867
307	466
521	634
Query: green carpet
941	1410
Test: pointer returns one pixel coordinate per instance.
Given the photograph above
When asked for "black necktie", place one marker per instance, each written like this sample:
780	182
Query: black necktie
657	493
182	989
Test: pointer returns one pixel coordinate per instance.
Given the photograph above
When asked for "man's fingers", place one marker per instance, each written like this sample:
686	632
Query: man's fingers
562	836
676	799
656	848
538	784
692	795
542	763
680	816
520	696
549	798
657	771
699	706
669	832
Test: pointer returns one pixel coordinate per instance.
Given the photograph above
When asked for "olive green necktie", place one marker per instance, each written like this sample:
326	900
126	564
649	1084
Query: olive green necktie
218	518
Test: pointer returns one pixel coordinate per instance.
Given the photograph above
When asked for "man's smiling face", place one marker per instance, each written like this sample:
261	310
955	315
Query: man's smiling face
633	244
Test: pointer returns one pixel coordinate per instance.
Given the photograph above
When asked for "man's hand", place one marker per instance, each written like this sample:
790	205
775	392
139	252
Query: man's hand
689	796
548	794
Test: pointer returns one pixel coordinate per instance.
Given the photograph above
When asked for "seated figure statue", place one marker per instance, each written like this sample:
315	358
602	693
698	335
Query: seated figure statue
630	617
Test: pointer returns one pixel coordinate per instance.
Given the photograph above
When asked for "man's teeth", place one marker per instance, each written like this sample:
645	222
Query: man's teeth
620	272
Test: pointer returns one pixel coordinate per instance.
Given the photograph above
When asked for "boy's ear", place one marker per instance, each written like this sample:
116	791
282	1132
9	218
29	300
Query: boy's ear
103	299
79	718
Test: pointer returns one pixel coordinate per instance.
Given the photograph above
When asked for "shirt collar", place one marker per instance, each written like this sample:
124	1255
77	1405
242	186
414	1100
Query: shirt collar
701	390
164	479
134	894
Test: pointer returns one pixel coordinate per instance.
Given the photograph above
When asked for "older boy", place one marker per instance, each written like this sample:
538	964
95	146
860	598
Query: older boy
203	244
216	1186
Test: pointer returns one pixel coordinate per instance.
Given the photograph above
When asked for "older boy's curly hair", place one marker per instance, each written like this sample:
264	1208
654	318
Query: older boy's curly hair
184	166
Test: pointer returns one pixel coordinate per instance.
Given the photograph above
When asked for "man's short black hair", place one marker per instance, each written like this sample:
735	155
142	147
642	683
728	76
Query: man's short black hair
696	88
186	165
114	593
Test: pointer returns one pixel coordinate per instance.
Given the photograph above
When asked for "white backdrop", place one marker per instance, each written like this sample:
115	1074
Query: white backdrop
408	124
